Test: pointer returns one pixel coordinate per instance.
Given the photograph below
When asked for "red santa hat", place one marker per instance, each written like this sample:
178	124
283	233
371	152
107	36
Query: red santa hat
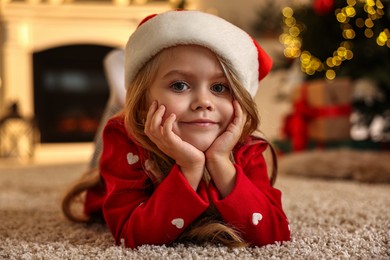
249	61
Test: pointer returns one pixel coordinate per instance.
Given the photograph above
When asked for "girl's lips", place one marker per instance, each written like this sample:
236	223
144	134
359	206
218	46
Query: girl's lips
200	122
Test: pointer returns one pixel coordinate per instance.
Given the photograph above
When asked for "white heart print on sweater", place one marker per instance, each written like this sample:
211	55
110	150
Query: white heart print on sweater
132	158
178	222
256	217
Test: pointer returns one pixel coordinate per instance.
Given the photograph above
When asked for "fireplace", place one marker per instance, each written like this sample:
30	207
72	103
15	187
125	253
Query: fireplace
51	61
70	92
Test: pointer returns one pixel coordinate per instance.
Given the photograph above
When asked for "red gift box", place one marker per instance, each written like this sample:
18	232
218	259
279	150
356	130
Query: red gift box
321	111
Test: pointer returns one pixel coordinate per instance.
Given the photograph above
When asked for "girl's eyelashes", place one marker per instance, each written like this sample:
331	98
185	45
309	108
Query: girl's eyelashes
179	86
220	88
217	88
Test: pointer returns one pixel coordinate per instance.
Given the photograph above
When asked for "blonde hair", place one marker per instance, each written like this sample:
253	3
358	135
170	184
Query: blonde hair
209	227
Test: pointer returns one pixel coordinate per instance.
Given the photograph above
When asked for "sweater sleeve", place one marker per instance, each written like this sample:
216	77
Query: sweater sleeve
133	215
254	207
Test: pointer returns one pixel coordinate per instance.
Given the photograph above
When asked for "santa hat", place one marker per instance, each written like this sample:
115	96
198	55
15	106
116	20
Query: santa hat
156	32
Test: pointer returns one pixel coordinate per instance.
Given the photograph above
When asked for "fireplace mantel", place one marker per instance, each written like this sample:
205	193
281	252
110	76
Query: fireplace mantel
28	28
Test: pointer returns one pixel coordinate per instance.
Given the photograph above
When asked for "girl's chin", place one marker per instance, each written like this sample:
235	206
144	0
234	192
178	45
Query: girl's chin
202	147
202	141
200	144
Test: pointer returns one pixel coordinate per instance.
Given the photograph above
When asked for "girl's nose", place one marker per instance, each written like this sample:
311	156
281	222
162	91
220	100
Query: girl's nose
202	100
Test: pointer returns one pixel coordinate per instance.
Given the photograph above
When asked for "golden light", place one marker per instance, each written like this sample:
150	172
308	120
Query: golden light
287	12
380	12
330	74
294	31
290	21
368	33
336	61
341	17
369	9
329	62
382	39
305	57
349	54
369	23
350	11
379	4
291	37
342	52
349	34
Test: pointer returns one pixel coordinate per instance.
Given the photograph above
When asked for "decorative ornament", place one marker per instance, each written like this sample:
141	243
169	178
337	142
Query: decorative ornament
323	6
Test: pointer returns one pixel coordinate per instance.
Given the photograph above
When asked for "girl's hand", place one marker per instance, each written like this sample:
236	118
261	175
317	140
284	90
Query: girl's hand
190	160
218	162
224	144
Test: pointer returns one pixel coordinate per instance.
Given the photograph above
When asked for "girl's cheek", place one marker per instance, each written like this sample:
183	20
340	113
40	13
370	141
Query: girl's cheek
231	113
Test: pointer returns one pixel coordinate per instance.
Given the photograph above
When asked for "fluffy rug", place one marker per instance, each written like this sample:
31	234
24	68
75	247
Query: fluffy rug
329	219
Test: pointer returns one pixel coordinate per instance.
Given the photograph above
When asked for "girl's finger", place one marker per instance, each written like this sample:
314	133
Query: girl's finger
239	113
151	111
168	126
155	123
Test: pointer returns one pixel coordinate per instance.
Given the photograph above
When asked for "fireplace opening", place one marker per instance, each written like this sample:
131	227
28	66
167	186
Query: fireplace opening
70	92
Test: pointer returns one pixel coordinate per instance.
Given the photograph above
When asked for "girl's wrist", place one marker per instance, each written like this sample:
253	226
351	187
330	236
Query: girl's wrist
217	159
223	173
193	175
194	163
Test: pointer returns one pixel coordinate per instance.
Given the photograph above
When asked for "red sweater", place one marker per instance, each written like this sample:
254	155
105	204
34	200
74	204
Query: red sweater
139	213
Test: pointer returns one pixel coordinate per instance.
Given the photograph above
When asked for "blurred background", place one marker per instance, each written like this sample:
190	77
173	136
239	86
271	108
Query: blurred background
329	87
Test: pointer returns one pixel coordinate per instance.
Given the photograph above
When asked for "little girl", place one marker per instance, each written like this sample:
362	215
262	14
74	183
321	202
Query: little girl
181	163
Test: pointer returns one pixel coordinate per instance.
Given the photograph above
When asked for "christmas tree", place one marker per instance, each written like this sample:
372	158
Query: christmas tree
346	38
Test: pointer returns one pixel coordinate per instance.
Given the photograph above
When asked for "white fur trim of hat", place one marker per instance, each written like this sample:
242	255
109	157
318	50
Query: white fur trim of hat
157	32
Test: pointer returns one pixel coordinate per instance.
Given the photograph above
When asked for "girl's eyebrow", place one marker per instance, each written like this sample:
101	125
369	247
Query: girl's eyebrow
189	74
177	73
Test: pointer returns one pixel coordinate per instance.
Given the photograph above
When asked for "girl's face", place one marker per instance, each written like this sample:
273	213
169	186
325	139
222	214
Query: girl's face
190	83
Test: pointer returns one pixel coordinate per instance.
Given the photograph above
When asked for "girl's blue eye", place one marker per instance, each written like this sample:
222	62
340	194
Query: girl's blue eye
220	88
179	86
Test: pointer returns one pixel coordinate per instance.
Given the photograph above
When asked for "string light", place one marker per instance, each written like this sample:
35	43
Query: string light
292	41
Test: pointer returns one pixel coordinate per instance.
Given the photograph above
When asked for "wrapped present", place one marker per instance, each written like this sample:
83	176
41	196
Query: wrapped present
321	112
323	93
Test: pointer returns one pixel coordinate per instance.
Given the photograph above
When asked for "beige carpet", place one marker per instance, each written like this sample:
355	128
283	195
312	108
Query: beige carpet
329	219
